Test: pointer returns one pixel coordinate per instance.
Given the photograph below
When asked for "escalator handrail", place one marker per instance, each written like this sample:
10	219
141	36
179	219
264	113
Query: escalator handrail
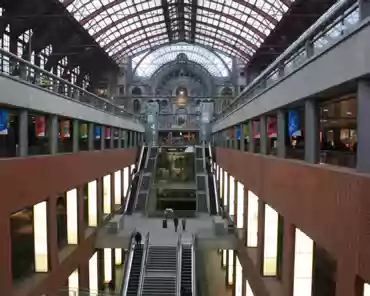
140	158
152	180
214	180
128	265
193	269
143	265
139	183
179	262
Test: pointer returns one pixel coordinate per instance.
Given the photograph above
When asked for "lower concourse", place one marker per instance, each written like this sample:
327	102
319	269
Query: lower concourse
176	148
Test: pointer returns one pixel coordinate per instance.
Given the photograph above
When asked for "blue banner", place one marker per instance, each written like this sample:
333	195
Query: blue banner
97	132
238	132
294	124
4	119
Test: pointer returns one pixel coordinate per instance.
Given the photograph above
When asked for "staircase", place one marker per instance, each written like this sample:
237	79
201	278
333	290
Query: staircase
159	286
186	269
162	259
133	283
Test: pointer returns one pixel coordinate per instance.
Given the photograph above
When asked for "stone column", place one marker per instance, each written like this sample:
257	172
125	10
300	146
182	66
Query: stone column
23	133
281	136
126	139
53	134
261	234
363	124
287	275
312	133
111	140
102	138
75	139
251	145
242	137
119	138
91	136
263	133
52	233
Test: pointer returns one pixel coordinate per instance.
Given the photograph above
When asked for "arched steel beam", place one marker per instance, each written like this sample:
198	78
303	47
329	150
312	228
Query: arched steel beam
195	44
123	37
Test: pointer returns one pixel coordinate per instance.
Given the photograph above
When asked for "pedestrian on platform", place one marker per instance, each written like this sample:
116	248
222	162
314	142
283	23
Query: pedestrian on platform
183	222
138	239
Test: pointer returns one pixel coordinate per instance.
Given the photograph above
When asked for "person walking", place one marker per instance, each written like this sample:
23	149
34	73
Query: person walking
138	239
176	223
183	223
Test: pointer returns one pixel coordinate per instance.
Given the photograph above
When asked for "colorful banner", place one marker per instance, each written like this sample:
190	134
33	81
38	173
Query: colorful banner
4	121
272	127
238	132
40	126
294	124
83	131
256	130
97	132
246	131
65	128
108	131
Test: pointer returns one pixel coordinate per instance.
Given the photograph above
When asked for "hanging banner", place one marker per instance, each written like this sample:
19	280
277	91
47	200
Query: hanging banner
4	120
83	131
40	126
97	132
294	124
256	130
108	132
246	131
272	127
238	132
65	129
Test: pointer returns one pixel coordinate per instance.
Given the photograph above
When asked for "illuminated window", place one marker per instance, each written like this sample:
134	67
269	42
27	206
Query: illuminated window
107	265
126	180
232	196
107	198
270	242
40	236
72	217
248	290
252	238
230	267
366	289
92	204
93	273
303	264
225	196
117	188
224	258
238	278
240	203
221	175
73	283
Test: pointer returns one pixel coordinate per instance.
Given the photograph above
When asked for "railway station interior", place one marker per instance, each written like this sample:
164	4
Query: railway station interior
185	147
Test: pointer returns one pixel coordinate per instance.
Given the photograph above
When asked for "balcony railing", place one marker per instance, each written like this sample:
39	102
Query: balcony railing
25	72
336	23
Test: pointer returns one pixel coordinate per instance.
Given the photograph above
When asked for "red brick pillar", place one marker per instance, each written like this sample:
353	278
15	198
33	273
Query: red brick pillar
112	192
261	234
6	281
99	184
52	233
84	275
81	213
288	258
245	230
347	282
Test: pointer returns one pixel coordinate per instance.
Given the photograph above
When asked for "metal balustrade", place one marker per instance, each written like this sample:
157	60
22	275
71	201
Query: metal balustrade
19	69
336	23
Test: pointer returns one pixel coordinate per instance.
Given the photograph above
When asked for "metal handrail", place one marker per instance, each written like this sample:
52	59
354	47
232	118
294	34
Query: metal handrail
14	60
143	265
193	269
128	264
214	181
84	292
179	262
307	37
152	180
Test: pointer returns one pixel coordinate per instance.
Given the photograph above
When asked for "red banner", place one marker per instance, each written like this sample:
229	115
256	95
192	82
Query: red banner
40	126
272	127
108	132
65	129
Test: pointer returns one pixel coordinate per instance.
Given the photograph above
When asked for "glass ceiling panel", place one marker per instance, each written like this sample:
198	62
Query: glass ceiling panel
216	65
129	27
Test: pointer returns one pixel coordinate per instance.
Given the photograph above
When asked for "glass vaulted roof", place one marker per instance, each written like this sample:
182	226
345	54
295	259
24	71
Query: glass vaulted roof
130	27
147	64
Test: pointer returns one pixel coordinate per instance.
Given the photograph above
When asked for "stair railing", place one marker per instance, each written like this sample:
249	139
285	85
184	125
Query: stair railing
128	264
214	180
178	269
143	265
193	269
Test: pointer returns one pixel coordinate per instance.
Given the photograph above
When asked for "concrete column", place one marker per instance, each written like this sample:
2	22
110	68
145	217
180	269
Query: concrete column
242	140
281	136
251	145
364	9
23	133
363	124
126	139
52	233
75	139
264	135
102	138
312	134
119	138
81	221
53	134
235	139
91	136
111	140
287	275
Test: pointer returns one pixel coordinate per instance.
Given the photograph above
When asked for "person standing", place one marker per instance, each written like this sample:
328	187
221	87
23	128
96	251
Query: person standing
138	239
183	222
176	223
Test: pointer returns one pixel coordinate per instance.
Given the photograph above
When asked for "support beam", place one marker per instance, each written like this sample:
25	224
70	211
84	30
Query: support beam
194	7
251	145
312	136
23	133
363	124
167	19
263	133
281	136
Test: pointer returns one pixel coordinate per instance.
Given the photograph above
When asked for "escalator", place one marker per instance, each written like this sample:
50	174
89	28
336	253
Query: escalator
141	160
211	184
186	270
135	272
